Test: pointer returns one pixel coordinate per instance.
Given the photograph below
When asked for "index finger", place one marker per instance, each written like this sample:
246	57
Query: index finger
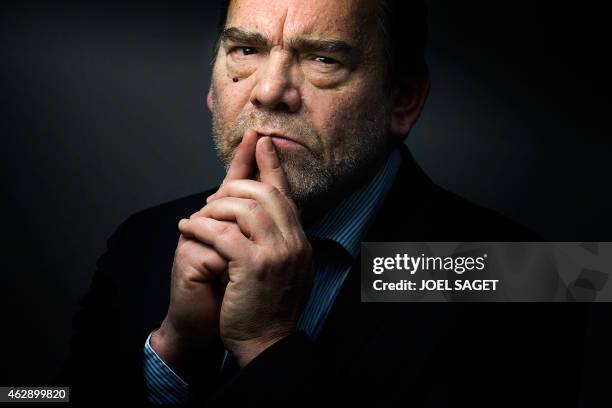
243	163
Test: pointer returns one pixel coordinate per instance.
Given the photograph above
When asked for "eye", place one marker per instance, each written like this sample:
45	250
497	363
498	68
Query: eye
325	60
245	50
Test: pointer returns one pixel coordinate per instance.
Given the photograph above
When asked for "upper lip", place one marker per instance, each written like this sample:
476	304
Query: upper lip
276	133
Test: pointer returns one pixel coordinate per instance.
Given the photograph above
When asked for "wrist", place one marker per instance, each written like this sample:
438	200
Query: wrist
166	347
177	351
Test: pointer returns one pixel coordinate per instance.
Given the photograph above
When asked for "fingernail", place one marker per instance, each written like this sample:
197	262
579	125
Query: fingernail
269	147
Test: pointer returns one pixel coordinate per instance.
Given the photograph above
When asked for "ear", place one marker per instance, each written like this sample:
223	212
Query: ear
209	99
409	99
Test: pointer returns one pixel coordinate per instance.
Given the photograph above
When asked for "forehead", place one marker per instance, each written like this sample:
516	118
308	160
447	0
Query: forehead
280	20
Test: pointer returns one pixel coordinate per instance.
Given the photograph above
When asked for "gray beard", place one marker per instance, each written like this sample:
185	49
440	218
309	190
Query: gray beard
317	181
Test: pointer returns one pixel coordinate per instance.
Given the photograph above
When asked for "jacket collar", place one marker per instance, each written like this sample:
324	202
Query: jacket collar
350	322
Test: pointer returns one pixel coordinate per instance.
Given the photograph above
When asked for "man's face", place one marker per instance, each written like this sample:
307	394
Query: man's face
307	70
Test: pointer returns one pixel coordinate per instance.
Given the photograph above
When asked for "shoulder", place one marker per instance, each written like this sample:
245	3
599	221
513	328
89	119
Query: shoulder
449	210
165	215
417	209
151	234
134	271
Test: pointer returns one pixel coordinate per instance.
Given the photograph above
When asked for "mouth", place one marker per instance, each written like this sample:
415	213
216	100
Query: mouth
281	140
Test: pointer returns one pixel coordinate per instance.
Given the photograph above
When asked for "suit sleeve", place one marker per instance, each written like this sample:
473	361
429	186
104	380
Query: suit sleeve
289	371
105	360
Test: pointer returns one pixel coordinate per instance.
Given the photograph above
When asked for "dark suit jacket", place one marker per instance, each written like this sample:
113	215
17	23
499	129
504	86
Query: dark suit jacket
384	353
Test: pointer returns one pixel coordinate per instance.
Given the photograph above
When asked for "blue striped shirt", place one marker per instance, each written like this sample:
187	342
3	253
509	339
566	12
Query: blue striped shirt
345	225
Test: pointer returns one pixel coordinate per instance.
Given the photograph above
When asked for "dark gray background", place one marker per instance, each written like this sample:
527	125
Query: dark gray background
103	114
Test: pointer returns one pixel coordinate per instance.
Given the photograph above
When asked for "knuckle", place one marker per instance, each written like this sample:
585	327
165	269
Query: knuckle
272	190
228	241
251	204
222	229
180	260
230	184
190	274
185	247
260	220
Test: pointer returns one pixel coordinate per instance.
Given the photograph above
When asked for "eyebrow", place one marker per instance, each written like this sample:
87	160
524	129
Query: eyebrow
322	45
303	44
240	36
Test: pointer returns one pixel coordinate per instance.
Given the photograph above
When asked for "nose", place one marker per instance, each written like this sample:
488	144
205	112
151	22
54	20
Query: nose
276	88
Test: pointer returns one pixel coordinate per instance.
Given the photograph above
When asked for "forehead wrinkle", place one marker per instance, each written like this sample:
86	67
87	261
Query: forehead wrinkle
285	24
268	24
306	26
282	25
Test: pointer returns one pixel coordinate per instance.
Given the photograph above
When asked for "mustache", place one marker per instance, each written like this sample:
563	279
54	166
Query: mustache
296	128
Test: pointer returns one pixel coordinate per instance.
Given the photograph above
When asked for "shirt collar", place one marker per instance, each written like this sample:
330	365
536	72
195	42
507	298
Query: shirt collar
347	222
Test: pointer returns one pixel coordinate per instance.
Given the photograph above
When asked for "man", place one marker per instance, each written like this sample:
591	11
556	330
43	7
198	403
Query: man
251	294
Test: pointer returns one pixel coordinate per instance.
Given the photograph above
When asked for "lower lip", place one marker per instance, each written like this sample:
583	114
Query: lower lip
282	142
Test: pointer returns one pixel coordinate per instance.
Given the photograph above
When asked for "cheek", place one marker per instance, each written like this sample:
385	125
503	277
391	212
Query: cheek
231	96
336	114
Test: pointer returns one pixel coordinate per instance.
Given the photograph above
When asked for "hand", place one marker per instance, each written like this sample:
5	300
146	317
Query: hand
269	257
199	277
192	319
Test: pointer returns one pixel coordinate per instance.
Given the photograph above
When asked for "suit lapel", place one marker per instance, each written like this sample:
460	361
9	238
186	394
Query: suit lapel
350	322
